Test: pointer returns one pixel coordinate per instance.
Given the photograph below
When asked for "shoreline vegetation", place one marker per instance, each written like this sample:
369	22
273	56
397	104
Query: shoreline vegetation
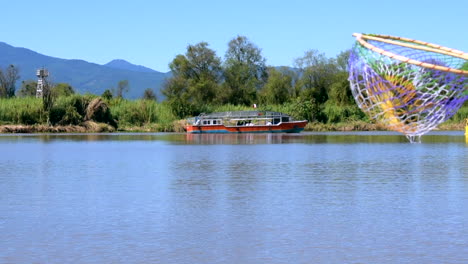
93	114
316	89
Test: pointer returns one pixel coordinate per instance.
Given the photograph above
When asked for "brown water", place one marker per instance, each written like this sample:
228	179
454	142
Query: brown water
176	198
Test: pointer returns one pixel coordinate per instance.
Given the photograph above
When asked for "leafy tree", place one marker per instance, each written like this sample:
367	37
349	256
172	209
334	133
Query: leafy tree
342	61
278	88
47	99
317	73
28	88
339	90
122	87
245	71
8	78
195	80
149	94
62	89
177	96
203	71
107	94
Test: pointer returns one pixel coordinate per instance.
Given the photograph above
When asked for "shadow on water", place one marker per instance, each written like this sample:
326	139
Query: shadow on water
243	139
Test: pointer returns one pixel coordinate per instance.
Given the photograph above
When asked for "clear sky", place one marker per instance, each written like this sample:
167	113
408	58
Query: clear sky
152	33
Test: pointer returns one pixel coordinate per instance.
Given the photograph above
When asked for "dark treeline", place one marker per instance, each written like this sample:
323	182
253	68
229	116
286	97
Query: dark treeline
316	84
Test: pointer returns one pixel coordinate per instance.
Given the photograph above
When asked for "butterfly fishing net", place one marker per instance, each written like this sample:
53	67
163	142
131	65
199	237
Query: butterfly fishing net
407	85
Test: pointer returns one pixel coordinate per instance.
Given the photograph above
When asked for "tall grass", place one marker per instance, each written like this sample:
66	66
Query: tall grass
154	116
141	112
26	111
460	116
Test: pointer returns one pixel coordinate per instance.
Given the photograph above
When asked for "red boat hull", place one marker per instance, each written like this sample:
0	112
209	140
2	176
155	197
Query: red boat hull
287	127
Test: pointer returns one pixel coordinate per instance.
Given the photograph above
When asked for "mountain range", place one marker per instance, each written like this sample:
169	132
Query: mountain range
83	76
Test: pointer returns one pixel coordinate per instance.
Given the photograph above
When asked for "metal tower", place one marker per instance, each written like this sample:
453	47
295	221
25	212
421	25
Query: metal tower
42	75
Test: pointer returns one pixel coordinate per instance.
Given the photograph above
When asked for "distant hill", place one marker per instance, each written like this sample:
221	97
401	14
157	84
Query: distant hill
125	65
83	76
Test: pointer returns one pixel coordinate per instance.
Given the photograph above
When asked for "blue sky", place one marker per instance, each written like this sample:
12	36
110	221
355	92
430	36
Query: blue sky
152	33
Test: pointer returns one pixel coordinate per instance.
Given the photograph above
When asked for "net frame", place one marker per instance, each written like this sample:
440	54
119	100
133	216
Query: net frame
401	91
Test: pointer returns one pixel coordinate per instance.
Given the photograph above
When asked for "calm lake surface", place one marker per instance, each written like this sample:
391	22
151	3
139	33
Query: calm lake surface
288	198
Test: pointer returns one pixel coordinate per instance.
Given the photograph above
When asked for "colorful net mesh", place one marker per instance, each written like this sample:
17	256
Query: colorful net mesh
407	85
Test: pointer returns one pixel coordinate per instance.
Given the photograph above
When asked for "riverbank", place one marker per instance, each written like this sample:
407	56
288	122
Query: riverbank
86	127
92	114
178	127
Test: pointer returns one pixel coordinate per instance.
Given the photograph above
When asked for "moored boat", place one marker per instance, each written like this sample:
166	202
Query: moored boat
244	122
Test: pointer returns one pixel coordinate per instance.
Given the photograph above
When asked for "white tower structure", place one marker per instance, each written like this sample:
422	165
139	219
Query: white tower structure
42	75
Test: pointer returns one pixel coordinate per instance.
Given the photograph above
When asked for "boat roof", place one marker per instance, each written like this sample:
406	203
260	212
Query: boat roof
243	114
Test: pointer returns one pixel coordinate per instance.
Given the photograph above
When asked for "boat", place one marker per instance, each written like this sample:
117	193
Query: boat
244	122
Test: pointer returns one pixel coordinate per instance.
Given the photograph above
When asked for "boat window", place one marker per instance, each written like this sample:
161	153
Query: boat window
276	121
206	122
214	122
284	119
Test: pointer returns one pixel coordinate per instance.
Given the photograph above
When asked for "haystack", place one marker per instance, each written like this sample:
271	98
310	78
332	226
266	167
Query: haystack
98	111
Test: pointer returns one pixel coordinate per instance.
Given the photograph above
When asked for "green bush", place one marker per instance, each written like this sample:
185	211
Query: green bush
29	116
56	114
343	113
71	116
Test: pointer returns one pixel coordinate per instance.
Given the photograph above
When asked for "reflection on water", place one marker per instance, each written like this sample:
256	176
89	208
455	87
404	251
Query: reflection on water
208	139
237	198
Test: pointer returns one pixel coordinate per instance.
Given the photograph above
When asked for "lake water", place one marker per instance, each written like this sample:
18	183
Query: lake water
287	198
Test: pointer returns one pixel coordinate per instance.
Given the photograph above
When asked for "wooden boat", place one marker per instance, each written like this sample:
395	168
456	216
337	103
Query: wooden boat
244	122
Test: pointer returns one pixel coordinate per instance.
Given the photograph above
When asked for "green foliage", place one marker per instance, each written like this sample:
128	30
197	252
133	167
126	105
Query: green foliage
8	78
56	114
340	91
107	94
317	73
71	117
149	94
29	116
48	98
21	111
195	80
461	115
69	110
302	108
278	88
62	89
465	66
245	72
345	113
141	112
317	89
28	88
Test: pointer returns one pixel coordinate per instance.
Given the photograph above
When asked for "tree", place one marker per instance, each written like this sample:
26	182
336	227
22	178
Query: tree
28	88
107	94
149	94
8	78
122	87
203	72
48	98
278	88
317	73
177	96
339	91
245	71
195	80
62	89
342	60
